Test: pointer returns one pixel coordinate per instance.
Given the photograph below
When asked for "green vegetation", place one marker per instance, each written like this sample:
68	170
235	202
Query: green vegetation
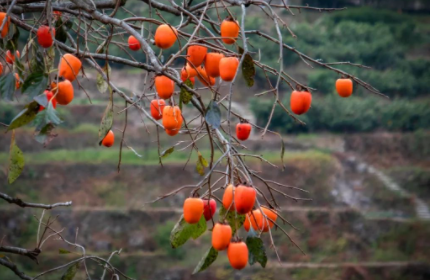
354	114
378	38
150	157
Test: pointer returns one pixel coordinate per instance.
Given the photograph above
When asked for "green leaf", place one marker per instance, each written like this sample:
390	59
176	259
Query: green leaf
210	256
50	58
256	250
41	100
35	84
185	96
102	85
37	63
16	161
71	272
46	134
107	121
183	231
51	115
7	86
234	219
248	68
63	251
167	152
60	33
12	44
201	164
213	114
25	116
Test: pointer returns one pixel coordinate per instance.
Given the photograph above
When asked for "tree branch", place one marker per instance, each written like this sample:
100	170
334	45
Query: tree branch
23	204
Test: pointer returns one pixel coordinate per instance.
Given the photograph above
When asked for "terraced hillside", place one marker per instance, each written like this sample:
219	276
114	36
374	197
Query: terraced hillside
356	225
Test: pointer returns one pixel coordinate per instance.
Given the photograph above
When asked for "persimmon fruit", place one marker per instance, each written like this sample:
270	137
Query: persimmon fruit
164	86
300	101
210	208
64	92
243	130
227	198
109	139
254	219
5	30
204	78
49	96
133	43
196	54
212	63
185	76
227	68
193	210
69	67
165	36
45	36
172	118
268	222
229	31
244	198
221	236
344	87
157	107
10	58
237	253
17	81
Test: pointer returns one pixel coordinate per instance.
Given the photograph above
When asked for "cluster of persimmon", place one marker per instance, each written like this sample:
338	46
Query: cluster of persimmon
68	69
300	100
200	63
240	199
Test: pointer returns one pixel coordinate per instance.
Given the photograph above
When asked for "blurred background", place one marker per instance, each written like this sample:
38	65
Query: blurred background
365	160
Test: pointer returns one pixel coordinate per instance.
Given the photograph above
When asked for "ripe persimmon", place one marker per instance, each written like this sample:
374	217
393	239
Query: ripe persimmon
157	107
227	68
255	218
204	78
109	139
165	36
172	118
49	96
172	132
344	87
69	67
1	68
244	198
268	222
63	92
243	129
196	54
133	43
5	30
221	235
17	81
229	31
45	36
210	208
185	76
300	101
193	210
237	254
10	58
212	63
227	199
164	86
